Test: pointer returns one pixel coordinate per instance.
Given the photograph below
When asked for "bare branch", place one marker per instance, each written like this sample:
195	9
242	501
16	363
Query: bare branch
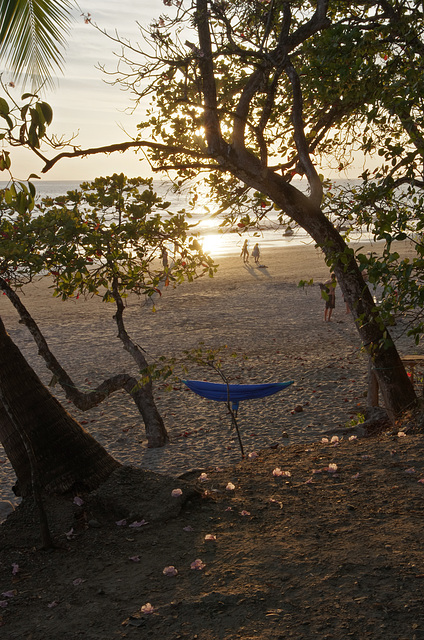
83	401
124	146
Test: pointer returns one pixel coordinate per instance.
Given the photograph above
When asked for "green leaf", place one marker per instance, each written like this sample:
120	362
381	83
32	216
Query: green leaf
8	120
32	35
5	161
47	112
4	107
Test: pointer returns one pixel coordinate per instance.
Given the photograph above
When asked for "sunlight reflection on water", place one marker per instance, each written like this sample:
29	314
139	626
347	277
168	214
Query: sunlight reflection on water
205	225
222	244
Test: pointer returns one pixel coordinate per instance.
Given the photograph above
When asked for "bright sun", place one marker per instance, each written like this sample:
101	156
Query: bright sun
211	243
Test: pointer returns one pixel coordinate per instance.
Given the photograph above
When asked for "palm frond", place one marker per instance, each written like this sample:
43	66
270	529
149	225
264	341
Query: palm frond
33	36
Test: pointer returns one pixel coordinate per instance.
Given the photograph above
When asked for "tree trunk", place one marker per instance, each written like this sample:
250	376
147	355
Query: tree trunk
396	388
142	395
155	428
372	395
67	457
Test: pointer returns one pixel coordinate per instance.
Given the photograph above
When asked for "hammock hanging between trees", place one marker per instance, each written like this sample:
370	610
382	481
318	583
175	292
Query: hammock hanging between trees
234	394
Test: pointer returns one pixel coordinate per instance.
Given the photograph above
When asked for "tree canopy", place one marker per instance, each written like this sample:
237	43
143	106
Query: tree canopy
108	236
268	91
378	111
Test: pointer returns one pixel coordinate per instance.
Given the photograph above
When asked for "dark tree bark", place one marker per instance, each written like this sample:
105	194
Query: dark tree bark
67	458
142	395
155	428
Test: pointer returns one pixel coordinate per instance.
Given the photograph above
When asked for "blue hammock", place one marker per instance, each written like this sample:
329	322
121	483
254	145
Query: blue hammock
234	392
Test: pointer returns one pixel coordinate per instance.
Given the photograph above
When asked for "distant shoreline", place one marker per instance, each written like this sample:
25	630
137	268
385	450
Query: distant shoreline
216	243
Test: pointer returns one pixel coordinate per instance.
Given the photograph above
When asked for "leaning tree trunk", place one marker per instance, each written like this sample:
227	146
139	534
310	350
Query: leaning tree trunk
155	428
141	395
67	458
396	387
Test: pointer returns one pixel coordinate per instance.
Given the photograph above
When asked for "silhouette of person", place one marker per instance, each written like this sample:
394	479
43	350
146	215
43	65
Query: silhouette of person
245	252
328	292
256	253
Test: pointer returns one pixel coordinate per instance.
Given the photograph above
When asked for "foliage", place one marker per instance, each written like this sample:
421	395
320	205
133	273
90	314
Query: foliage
25	124
388	122
359	418
105	238
362	90
394	216
16	205
32	34
172	369
358	73
22	125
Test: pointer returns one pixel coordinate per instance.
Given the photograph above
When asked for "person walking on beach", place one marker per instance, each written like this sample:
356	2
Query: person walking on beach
245	252
256	253
328	292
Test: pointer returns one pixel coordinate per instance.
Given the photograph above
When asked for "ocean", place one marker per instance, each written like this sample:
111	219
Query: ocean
217	242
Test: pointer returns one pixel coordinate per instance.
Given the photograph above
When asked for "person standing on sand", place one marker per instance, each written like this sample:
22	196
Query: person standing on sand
165	258
245	252
256	253
328	292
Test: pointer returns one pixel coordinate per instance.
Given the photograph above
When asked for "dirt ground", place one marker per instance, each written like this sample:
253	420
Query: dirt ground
308	540
316	541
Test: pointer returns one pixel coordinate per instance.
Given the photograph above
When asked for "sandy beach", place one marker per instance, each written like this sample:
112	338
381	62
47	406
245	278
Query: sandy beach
311	538
258	312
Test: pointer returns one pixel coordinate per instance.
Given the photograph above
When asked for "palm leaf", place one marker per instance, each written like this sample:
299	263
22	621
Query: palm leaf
32	35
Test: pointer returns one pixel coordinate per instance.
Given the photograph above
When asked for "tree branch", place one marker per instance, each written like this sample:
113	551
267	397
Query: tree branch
263	121
252	86
318	22
124	146
129	345
300	139
211	119
186	165
83	401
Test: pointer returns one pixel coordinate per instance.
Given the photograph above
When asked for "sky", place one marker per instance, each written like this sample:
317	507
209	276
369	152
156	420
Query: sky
83	102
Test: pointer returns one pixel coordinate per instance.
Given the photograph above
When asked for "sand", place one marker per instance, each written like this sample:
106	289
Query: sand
258	312
309	539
